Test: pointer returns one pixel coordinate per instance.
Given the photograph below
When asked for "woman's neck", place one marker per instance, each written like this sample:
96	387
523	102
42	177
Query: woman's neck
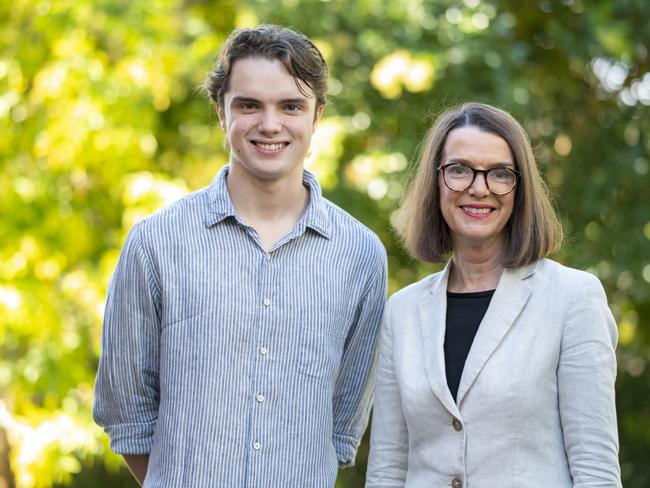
475	271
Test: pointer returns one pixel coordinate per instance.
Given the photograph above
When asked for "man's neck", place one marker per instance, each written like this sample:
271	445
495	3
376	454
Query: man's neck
271	207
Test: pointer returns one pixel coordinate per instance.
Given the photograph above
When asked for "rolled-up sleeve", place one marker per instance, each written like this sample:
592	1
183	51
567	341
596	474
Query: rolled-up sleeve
387	463
586	375
355	383
126	387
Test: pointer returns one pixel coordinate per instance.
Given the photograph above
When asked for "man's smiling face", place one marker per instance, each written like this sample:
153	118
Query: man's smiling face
268	120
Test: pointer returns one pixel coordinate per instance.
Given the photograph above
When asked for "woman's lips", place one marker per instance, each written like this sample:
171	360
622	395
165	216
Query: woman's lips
477	212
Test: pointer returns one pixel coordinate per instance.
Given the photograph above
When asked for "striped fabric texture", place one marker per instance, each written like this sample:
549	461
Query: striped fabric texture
236	367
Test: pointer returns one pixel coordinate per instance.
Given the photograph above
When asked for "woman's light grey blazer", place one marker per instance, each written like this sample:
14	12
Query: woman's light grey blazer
535	405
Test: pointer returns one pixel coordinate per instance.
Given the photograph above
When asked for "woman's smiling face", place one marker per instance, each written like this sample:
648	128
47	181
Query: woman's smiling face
476	216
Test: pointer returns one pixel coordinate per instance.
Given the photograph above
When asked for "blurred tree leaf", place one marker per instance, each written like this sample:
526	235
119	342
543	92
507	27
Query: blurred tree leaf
102	121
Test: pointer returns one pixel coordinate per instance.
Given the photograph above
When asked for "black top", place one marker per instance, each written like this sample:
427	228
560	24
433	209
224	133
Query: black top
464	314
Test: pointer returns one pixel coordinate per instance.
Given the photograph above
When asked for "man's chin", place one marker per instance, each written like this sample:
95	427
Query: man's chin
272	173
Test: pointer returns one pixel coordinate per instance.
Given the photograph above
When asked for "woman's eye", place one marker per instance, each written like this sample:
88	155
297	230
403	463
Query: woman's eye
458	170
502	174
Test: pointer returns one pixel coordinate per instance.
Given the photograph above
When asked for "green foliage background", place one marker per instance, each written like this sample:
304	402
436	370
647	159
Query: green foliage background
101	122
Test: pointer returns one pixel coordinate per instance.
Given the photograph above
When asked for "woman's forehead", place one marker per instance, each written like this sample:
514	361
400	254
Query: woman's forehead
474	146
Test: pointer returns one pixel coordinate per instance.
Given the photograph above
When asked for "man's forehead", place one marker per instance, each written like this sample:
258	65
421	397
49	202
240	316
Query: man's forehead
265	79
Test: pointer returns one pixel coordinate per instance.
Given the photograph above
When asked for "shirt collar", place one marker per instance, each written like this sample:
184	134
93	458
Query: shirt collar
316	216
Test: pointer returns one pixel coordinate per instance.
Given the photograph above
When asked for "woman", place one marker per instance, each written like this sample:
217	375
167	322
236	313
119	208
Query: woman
499	370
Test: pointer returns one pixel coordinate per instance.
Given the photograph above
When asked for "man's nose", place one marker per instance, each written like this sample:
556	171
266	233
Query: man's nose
270	122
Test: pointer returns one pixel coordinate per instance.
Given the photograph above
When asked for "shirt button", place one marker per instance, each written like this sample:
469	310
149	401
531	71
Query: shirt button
267	302
263	351
268	257
257	446
456	482
260	398
457	425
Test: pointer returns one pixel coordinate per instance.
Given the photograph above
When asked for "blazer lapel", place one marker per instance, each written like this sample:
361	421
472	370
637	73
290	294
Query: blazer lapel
432	317
508	300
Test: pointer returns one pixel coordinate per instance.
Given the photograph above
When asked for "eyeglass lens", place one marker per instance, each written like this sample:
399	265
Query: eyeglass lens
459	177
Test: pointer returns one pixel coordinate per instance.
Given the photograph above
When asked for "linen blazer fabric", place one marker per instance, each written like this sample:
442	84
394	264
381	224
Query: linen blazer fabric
535	405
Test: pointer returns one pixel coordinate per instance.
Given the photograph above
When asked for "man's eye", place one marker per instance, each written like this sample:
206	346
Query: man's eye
247	106
292	107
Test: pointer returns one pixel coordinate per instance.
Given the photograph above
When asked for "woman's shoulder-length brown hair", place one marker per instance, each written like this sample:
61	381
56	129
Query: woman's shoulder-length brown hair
533	230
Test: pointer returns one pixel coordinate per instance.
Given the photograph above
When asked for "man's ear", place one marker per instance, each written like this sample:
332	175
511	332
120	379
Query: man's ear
222	117
318	114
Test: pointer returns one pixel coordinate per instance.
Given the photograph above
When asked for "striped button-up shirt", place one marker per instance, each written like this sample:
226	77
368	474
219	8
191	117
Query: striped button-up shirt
237	367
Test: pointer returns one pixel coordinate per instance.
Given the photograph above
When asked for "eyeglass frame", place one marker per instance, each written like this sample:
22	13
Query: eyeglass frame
484	172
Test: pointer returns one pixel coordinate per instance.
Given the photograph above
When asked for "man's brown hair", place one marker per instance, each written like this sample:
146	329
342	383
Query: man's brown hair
299	55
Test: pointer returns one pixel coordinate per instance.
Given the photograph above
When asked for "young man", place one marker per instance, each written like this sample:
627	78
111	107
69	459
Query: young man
241	324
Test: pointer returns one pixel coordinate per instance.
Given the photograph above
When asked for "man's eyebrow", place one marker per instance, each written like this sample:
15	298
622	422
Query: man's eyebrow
296	101
283	101
240	99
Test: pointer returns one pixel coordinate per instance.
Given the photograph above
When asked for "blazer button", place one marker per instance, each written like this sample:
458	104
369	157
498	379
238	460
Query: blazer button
457	425
456	482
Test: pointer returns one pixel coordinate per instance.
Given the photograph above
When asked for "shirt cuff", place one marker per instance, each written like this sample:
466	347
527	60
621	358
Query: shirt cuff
131	438
346	450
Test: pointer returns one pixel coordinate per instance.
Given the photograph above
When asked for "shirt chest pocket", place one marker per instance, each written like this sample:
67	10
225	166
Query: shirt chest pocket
320	346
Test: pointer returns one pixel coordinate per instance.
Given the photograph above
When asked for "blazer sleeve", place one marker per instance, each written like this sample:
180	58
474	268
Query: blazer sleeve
586	374
388	459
